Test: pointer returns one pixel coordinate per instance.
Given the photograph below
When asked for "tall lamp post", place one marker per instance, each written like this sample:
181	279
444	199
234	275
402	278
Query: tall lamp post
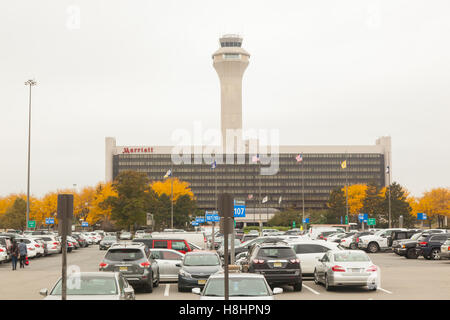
29	83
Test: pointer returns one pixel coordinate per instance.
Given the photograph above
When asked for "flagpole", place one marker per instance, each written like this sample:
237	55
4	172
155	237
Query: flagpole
215	186
260	219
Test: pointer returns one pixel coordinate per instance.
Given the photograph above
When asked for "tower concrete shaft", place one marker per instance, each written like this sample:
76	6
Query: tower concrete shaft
230	62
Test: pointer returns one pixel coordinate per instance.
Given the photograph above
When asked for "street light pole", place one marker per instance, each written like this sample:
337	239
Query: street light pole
171	198
389	175
29	83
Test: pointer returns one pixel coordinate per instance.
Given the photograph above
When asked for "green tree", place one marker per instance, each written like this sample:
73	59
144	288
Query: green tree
399	206
133	200
372	204
336	205
285	218
15	216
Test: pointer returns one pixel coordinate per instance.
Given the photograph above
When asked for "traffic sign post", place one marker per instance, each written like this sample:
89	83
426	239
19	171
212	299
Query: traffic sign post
371	221
31	224
293	224
239	209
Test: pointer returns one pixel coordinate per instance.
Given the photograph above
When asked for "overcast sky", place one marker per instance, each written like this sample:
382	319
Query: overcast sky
323	72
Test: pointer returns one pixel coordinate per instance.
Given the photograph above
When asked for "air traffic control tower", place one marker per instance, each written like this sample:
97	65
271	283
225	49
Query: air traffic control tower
230	62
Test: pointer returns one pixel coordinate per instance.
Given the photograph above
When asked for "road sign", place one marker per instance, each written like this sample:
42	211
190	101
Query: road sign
84	224
293	224
363	217
346	219
306	220
212	216
31	224
49	220
421	216
371	222
194	223
239	208
200	219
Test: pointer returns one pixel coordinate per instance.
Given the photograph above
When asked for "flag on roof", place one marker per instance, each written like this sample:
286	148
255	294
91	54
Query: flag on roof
299	158
168	174
344	164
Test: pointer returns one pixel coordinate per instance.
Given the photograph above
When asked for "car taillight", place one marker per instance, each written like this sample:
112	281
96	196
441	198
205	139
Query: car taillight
294	260
337	269
145	264
257	261
103	265
36	245
55	243
424	243
357	239
324	238
343	240
1	250
372	269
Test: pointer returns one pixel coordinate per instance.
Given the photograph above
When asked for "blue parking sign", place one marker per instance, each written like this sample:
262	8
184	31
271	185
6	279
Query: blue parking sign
421	216
306	220
85	224
239	209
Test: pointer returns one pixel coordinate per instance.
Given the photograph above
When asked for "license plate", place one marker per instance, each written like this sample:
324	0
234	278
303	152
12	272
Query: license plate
277	264
201	281
355	270
123	268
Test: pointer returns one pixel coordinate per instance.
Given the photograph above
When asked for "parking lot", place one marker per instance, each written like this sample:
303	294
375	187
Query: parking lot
400	279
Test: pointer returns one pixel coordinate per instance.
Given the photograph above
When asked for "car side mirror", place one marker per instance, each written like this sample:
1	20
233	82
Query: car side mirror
129	292
319	259
277	291
196	290
178	265
44	292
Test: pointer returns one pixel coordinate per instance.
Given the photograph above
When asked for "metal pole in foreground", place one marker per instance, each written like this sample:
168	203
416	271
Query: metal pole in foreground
29	83
389	175
65	215
303	198
171	198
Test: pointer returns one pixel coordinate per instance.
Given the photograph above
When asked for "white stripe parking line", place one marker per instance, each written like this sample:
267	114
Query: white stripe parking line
310	289
166	291
384	290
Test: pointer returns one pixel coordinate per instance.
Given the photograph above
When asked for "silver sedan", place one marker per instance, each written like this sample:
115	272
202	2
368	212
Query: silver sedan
92	286
167	261
346	268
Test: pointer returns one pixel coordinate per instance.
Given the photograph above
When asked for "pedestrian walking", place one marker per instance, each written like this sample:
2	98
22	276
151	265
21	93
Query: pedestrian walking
22	252
14	254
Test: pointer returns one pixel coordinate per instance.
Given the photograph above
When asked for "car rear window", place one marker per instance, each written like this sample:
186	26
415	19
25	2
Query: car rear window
160	244
88	285
124	254
276	253
355	256
309	248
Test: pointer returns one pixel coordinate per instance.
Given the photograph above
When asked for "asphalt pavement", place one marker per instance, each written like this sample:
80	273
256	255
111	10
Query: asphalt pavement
400	279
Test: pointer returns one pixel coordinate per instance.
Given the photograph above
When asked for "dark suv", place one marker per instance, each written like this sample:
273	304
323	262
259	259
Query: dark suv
429	246
277	262
136	264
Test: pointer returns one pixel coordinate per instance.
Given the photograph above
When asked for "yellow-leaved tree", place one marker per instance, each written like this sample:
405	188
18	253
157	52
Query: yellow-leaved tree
97	210
356	195
180	188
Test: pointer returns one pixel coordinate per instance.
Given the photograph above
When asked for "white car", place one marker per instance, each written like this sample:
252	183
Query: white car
53	245
167	262
125	236
314	232
308	251
242	286
3	254
271	232
31	248
378	241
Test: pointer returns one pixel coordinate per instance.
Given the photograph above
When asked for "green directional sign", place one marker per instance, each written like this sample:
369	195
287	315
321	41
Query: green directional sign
293	224
371	221
346	220
31	224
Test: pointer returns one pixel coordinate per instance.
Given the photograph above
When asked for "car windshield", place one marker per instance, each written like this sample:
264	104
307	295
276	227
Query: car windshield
124	254
353	256
109	238
416	236
243	287
201	260
276	253
88	285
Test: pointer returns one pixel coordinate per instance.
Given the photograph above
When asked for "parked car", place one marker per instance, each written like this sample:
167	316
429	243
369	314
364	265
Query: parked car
308	251
32	247
377	242
242	286
175	244
197	238
126	236
445	250
136	264
53	245
93	286
271	232
351	241
106	242
346	268
81	239
168	260
74	242
323	235
429	246
6	243
221	250
314	232
246	246
278	262
196	267
248	236
3	254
